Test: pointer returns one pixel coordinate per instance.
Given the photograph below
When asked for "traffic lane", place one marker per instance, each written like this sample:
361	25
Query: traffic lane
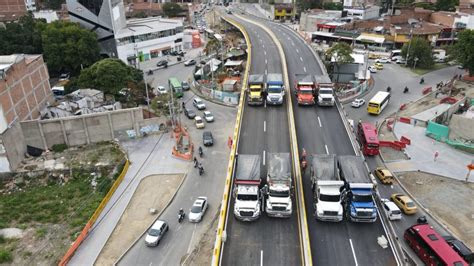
181	238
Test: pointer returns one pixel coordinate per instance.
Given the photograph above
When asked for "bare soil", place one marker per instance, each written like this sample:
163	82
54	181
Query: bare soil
137	217
202	254
448	199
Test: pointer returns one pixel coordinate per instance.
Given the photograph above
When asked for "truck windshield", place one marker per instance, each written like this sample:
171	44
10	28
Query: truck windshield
362	198
329	198
280	194
306	92
247	197
274	89
325	91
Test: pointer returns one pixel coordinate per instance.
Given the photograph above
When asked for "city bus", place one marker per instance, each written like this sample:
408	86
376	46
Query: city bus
395	53
378	102
368	139
430	247
175	86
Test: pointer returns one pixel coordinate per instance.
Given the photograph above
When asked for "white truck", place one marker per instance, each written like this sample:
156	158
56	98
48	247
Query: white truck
246	187
326	188
278	202
275	89
324	91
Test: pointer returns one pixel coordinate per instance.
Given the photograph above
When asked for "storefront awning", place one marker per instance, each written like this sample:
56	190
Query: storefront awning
371	38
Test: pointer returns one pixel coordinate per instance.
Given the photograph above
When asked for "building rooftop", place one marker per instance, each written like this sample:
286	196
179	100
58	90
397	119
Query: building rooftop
421	28
147	25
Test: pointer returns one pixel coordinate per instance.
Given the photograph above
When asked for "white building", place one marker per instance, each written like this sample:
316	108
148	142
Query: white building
48	15
148	38
465	21
362	13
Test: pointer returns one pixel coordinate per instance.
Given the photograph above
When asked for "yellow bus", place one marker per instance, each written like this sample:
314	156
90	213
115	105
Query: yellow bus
378	102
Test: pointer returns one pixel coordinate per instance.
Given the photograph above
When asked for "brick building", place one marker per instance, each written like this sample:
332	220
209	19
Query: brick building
24	92
12	9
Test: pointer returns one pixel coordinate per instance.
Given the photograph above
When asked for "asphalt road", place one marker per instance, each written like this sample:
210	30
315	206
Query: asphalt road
321	130
264	129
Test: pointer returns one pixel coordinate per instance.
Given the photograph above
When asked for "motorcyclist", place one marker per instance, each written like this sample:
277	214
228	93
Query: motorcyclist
181	212
195	162
389	89
201	169
405	90
422	80
200	151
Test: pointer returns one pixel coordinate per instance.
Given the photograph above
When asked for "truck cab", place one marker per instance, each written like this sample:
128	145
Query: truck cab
278	188
275	89
325	91
247	203
255	90
304	89
329	201
360	204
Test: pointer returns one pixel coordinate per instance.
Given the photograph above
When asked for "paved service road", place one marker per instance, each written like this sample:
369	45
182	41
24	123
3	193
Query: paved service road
321	130
264	129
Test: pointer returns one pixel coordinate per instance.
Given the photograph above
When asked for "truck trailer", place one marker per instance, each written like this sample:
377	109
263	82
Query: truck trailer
358	193
304	89
324	91
279	185
247	181
326	187
255	89
275	89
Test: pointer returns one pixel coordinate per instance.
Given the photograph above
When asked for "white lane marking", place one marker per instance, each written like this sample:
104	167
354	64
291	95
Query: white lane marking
289	38
265	52
265	126
263	46
319	120
263	157
266	71
261	257
266	62
293	43
304	68
301	58
297	51
327	150
353	252
191	241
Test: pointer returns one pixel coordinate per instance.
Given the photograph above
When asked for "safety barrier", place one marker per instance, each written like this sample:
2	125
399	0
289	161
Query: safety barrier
230	168
94	217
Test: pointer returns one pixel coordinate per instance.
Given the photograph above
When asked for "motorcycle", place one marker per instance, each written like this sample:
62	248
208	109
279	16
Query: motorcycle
200	152
405	90
389	89
201	170
150	72
181	216
422	80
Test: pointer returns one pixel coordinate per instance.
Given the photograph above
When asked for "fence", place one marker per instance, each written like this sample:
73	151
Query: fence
358	89
228	98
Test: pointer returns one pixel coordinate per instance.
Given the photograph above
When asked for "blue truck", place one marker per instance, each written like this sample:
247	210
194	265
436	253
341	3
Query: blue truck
275	89
358	189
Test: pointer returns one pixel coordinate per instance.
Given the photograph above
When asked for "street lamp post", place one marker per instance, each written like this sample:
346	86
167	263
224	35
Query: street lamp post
137	64
409	44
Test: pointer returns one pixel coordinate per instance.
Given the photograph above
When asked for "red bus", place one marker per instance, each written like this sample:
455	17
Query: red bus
368	138
430	247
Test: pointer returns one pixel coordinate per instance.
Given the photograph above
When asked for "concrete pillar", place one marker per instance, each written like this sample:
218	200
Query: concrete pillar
134	123
63	129
86	130
111	126
40	125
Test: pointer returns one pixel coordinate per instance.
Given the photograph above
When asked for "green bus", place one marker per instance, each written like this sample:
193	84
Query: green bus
175	86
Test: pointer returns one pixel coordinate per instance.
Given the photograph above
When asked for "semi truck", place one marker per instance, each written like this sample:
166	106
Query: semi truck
247	181
275	89
278	202
255	90
358	189
326	187
304	89
324	91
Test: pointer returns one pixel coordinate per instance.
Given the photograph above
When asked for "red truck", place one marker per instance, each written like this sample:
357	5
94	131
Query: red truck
304	89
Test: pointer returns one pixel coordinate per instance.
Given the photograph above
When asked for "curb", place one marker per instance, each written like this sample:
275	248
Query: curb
157	217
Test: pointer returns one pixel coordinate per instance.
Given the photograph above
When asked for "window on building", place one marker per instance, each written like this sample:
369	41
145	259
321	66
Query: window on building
92	5
178	40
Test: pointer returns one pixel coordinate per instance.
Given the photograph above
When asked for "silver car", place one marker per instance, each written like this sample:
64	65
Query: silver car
156	233
198	209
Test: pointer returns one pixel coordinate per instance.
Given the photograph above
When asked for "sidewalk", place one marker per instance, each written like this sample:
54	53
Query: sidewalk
450	163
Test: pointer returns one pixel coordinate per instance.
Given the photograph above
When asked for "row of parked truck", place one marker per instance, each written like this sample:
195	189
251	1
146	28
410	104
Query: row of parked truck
339	184
308	89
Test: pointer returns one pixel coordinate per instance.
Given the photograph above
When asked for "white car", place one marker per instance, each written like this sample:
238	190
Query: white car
391	210
198	209
383	60
156	233
161	90
358	103
199	104
199	122
397	57
208	116
372	69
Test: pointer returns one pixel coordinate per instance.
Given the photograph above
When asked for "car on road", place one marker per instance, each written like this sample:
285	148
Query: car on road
372	69
404	203
162	63
357	103
391	210
401	61
207	138
199	122
190	62
156	233
198	209
395	58
199	104
378	66
185	85
208	116
189	113
178	53
64	76
384	175
373	56
383	60
161	90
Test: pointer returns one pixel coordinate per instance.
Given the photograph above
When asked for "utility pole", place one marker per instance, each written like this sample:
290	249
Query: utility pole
137	64
409	44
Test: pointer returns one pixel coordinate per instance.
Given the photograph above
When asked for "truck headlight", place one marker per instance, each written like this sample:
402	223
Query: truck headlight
320	212
353	211
374	213
288	207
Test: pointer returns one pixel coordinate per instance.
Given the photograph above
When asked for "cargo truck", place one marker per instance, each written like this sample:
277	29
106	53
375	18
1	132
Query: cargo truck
304	89
255	90
246	187
358	189
326	188
324	91
275	89
279	185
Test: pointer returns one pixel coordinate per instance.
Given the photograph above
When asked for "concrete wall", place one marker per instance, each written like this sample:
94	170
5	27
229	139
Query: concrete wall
460	127
80	130
14	146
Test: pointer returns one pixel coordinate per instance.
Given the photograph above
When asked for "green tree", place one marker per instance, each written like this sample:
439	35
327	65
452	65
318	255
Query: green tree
332	6
22	37
54	4
212	46
341	52
171	9
67	47
464	50
446	5
110	76
421	49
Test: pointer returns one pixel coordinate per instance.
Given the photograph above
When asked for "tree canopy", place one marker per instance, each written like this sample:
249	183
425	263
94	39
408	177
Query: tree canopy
446	5
464	50
421	49
341	52
67	46
171	9
109	75
22	37
332	6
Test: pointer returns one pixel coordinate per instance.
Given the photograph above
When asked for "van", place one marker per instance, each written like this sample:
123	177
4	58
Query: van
391	210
